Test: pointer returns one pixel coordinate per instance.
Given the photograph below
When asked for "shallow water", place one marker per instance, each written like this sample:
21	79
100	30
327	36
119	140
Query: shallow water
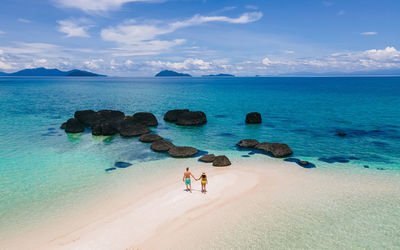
45	173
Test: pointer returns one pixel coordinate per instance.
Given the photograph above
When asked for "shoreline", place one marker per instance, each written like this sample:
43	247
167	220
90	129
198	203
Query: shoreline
161	212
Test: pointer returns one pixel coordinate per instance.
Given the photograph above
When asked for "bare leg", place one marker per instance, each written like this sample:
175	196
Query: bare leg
190	187
205	191
187	189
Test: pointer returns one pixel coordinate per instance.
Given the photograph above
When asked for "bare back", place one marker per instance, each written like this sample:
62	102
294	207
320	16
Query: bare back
187	174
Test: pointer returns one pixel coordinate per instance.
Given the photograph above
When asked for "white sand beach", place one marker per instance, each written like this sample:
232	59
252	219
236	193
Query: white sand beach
283	197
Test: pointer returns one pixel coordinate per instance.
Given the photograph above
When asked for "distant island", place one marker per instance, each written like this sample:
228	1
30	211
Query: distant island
219	75
50	72
170	73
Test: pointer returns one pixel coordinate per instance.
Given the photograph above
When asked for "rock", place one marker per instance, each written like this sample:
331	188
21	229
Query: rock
108	129
150	138
185	117
366	166
341	134
87	117
96	129
91	118
110	115
304	163
74	126
248	143
145	118
275	149
129	129
64	125
182	152
253	117
191	118
161	146
172	115
207	158
221	161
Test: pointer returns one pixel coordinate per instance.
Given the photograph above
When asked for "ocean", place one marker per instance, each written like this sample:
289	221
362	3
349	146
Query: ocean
45	173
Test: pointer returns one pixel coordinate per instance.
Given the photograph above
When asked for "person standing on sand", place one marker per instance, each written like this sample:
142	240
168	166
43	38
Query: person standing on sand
204	182
186	179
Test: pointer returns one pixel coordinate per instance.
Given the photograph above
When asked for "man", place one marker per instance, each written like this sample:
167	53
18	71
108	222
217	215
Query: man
186	179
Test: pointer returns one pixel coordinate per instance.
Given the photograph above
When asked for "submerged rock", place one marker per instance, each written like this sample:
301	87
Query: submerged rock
145	118
221	161
182	152
341	134
150	138
304	164
207	158
161	146
185	117
121	164
248	143
74	126
275	149
253	118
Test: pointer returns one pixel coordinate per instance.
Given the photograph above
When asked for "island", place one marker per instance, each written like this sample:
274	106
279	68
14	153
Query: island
50	72
219	75
171	73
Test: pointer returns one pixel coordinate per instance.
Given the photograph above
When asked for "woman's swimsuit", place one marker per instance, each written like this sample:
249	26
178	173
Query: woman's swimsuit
203	179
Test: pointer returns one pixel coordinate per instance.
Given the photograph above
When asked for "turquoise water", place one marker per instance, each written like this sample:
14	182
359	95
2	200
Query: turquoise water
45	172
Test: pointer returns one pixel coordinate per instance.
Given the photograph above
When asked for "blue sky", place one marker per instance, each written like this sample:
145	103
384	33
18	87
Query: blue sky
142	37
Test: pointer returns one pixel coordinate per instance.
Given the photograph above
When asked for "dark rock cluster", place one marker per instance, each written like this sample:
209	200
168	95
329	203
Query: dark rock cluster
110	122
217	161
253	118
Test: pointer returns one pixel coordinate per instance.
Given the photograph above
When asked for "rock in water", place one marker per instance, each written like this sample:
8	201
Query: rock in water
129	128
207	158
253	117
150	138
191	118
221	161
275	149
182	152
145	118
87	117
172	115
304	163
64	125
74	126
341	134
161	146
185	117
248	143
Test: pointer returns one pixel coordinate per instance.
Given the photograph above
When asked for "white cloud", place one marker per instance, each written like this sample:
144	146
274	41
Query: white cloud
93	6
289	52
142	39
74	28
251	7
130	32
94	64
266	61
369	33
23	20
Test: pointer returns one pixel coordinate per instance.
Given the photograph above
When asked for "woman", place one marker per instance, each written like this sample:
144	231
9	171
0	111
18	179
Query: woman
204	182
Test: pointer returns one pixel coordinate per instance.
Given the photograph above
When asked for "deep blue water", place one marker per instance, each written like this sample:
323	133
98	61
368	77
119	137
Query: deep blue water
38	160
